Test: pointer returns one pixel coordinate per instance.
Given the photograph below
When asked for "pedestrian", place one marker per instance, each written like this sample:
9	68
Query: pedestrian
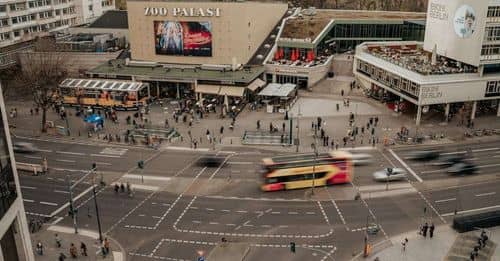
283	126
106	245
58	241
208	135
376	121
61	257
116	188
424	229
270	127
122	188
166	123
31	111
327	140
129	190
39	248
322	133
221	130
45	165
258	124
72	251
83	249
431	228
332	144
337	145
404	243
319	122
342	92
338	107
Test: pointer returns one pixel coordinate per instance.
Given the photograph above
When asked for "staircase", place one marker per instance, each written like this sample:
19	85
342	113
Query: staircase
464	244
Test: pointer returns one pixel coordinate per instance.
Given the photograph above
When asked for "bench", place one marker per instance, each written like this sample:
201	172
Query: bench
35	168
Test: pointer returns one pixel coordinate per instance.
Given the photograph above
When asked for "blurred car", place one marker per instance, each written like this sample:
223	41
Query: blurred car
463	168
389	174
23	147
210	160
424	155
361	159
450	160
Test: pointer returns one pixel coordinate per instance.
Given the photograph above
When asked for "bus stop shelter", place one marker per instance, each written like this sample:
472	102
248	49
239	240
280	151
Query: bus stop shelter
278	96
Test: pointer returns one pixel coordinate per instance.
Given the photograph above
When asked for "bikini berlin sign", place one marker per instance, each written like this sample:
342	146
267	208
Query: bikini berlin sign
182	12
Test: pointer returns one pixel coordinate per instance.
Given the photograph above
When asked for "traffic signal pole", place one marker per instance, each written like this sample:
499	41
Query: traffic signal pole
71	208
94	169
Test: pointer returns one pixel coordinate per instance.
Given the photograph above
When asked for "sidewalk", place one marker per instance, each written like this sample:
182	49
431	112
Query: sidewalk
420	248
90	238
321	102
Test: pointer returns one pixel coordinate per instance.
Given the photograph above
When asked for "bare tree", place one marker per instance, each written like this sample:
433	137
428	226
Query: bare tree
41	73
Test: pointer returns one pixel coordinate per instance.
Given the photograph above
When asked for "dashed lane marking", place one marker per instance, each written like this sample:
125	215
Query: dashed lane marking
323	212
470	210
64	160
28	200
27	187
61	191
70	153
48	203
485	194
445	200
259	199
104	155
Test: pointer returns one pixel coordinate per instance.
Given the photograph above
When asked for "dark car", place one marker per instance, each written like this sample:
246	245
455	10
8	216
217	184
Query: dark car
450	160
23	147
425	155
210	160
463	168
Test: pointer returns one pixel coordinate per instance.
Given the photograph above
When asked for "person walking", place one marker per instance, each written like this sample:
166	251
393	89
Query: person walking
83	249
424	229
258	124
45	165
61	257
106	245
58	241
39	248
431	229
72	251
221	130
404	244
283	126
122	188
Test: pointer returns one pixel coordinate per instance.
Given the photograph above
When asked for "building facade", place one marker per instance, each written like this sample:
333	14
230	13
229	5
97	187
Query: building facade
22	21
455	70
89	10
15	244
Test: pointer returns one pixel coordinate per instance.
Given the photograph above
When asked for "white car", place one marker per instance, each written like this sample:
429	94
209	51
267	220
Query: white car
361	159
389	174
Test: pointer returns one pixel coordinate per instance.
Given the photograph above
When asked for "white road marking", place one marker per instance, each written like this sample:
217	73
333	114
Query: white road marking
292	213
225	210
310	213
432	171
141	215
241	211
471	210
196	221
41	150
155	217
27	187
70	153
240	162
28	200
55	212
104	155
63	160
209	209
61	191
213	223
405	165
485	194
275	212
48	203
103	163
445	200
231	225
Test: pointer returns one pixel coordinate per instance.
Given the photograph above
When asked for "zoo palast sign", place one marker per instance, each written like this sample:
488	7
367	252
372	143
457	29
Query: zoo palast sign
182	12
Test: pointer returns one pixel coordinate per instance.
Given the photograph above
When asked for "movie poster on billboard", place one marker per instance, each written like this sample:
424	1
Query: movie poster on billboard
186	38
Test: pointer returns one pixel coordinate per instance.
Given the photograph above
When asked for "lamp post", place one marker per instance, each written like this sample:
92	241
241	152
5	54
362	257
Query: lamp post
71	208
94	169
315	148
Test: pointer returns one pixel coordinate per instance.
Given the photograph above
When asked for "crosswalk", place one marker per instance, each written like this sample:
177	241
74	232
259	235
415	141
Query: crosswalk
114	151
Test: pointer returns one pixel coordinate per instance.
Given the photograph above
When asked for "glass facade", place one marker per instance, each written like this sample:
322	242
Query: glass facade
348	35
7	184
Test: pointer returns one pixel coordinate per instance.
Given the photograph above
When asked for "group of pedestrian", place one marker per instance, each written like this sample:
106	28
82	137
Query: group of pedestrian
73	251
425	227
481	243
123	188
13	113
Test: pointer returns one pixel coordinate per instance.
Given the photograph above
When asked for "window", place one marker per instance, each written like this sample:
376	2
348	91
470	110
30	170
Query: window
14	20
4	36
4	22
3	8
90	8
17	33
58	11
492	89
494	11
491	49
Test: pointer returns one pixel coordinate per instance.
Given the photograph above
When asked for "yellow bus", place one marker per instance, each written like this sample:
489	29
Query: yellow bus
306	170
104	93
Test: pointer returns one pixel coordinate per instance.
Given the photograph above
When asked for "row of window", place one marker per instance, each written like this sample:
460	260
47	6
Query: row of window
106	3
492	89
491	49
389	79
494	11
4	22
492	34
36	28
34	4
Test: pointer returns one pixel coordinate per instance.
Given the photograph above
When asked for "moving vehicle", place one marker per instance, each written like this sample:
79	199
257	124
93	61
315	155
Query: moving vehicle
306	170
23	147
359	159
463	168
104	93
389	174
449	160
425	155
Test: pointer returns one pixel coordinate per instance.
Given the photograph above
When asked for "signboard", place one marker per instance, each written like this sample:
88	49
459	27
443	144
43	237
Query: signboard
183	38
182	12
455	28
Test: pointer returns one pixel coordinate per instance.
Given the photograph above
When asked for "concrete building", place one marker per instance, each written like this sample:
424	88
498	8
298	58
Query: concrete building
15	244
455	70
89	10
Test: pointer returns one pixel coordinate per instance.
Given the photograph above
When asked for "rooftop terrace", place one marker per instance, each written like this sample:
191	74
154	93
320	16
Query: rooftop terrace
310	23
412	57
160	72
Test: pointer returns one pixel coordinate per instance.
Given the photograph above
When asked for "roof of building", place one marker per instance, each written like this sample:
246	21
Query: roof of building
116	19
278	90
177	73
399	68
311	23
104	85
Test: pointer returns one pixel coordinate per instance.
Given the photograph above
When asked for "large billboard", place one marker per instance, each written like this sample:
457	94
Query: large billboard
455	28
183	38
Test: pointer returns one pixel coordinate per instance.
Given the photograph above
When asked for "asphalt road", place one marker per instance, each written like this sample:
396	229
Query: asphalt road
186	209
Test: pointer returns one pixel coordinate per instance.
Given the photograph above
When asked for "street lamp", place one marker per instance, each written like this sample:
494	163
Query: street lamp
94	169
315	148
72	211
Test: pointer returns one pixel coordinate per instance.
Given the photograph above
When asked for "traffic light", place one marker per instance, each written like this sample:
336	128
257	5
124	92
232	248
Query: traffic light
140	164
292	247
